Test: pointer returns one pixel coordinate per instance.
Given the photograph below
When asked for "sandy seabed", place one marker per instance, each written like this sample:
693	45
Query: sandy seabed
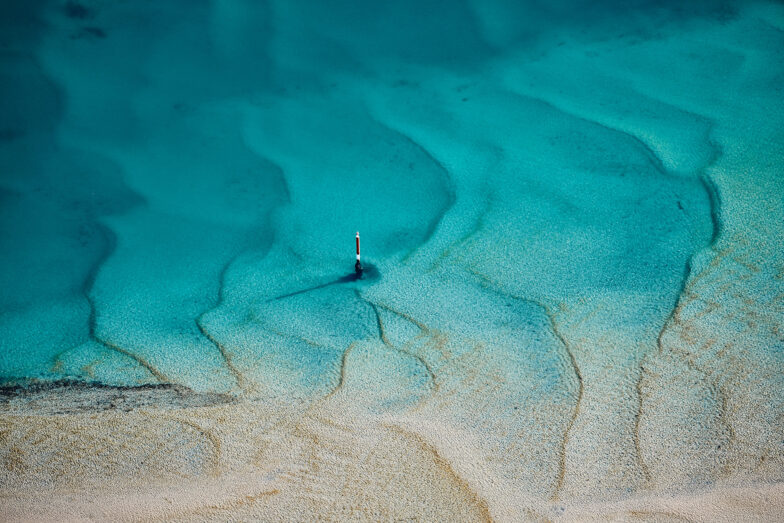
572	219
332	461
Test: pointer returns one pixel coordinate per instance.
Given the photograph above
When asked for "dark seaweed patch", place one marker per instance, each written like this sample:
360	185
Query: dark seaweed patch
9	135
89	32
77	11
70	397
97	32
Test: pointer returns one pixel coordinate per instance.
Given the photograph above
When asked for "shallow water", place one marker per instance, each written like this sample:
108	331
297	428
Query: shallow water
573	213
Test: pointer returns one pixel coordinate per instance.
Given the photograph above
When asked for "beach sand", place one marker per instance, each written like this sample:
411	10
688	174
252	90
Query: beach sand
246	461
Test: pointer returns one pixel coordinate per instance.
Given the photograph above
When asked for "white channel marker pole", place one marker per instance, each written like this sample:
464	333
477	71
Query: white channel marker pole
358	266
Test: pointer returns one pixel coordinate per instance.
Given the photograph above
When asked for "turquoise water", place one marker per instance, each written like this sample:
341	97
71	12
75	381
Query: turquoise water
536	186
178	165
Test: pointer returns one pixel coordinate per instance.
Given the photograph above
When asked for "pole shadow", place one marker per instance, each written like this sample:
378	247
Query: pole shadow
370	273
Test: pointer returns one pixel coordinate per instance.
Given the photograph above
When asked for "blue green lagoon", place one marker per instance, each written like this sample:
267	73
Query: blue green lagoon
572	224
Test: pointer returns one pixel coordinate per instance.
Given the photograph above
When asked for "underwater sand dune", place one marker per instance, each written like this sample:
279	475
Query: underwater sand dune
573	215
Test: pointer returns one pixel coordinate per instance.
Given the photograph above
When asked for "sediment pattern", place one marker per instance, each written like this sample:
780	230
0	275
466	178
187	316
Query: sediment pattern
572	229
